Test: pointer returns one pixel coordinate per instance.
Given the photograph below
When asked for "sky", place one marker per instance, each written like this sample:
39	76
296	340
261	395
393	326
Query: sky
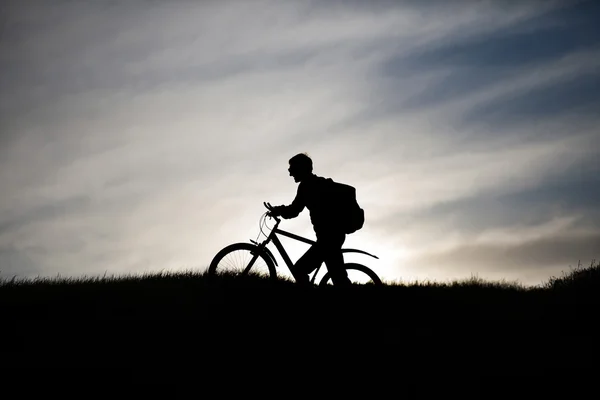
144	136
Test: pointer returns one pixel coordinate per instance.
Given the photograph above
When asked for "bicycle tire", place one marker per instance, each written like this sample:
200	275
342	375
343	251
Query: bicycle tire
216	265
352	267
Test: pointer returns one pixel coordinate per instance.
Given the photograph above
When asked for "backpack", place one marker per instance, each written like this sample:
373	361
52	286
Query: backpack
348	212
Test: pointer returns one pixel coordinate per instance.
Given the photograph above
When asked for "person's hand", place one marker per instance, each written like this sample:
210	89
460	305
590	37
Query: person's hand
271	209
272	212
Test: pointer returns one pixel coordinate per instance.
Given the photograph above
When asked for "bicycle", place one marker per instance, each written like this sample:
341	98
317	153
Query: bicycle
256	258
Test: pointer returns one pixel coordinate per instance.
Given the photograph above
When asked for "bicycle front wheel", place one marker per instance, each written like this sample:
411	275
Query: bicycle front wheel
358	274
242	259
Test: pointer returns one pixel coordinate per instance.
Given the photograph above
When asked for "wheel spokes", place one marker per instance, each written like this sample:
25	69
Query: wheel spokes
243	262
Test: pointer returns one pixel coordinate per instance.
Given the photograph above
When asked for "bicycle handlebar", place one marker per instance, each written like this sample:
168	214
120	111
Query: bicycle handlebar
270	208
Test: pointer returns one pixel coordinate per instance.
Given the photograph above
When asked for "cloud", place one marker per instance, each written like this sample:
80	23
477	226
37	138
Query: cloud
579	94
17	263
532	41
526	261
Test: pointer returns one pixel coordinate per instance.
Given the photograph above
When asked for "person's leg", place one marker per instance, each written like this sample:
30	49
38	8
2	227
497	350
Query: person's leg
331	247
307	263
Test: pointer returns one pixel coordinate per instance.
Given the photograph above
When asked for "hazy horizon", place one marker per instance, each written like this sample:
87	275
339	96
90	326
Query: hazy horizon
144	136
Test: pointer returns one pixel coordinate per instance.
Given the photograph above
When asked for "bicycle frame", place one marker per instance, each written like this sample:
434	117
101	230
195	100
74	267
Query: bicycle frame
286	258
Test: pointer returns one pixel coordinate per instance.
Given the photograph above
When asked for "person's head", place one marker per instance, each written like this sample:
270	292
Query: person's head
300	167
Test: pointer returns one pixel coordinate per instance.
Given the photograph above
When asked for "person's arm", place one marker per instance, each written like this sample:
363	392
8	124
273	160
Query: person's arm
292	210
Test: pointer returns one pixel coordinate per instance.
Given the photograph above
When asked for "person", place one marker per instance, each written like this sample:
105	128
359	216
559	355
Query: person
313	194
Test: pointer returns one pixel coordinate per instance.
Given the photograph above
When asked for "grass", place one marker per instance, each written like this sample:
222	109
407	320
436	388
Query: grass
579	278
170	314
181	293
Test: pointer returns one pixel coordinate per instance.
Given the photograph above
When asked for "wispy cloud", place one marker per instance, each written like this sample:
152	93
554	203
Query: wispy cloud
146	136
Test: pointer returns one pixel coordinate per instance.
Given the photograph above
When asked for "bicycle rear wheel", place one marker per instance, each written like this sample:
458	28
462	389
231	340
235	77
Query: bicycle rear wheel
358	274
242	259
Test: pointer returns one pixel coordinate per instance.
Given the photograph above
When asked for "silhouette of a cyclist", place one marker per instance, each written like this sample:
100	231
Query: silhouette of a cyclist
312	194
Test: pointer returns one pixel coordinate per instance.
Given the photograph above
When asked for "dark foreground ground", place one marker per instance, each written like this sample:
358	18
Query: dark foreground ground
469	329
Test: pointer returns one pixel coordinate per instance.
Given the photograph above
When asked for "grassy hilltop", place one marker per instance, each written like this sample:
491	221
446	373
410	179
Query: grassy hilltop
155	314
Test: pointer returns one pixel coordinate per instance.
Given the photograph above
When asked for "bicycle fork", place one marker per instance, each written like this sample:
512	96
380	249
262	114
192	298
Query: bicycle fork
260	248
